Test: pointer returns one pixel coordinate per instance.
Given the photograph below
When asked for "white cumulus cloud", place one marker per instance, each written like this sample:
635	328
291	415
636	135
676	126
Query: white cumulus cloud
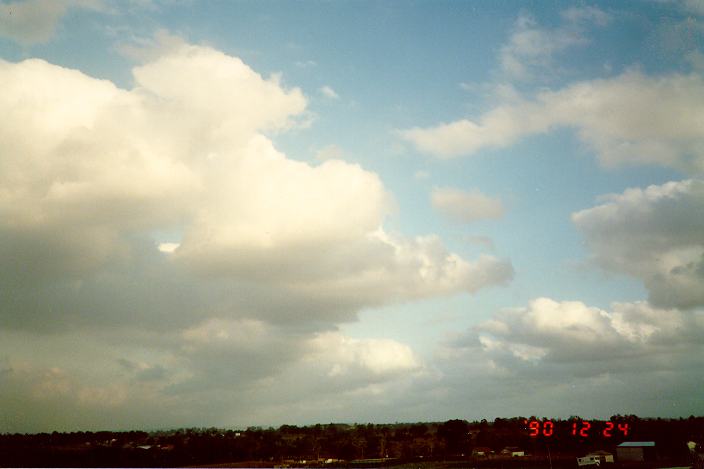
568	357
570	342
654	234
159	235
628	119
343	355
588	339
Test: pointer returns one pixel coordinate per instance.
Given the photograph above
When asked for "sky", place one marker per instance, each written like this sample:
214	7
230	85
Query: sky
236	213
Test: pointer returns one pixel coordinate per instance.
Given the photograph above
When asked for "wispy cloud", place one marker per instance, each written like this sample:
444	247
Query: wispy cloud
466	207
421	175
34	21
328	92
329	152
531	49
305	63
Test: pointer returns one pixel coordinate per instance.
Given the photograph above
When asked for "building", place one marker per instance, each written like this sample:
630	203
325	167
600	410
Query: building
635	451
513	451
604	456
482	451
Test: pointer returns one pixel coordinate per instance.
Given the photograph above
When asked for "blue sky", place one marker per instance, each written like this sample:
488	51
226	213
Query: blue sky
237	213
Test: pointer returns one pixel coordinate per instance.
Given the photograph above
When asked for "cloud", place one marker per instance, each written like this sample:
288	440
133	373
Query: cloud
36	398
484	241
343	355
564	358
219	372
148	49
530	51
607	115
678	35
329	152
329	92
696	60
57	194
305	63
89	168
583	340
655	235
693	6
586	14
237	98
466	207
231	354
386	268
421	175
168	247
173	263
34	21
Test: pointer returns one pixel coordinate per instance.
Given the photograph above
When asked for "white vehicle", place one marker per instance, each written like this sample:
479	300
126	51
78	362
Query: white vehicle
589	461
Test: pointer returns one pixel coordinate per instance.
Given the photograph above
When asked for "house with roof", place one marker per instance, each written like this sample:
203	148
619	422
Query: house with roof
513	451
635	451
482	452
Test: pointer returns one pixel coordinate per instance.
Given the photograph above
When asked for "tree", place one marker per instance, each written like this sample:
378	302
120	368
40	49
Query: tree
454	433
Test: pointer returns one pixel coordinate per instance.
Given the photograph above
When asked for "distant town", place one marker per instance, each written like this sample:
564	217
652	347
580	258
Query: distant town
513	443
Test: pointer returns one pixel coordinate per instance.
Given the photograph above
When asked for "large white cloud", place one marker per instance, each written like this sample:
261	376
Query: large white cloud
654	234
80	166
343	355
261	256
86	164
632	118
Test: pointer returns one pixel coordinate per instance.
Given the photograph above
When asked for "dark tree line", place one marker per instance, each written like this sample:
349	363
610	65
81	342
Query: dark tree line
345	444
